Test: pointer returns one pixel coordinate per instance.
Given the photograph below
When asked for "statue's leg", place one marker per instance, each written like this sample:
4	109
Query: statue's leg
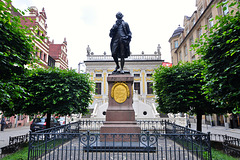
115	58
122	65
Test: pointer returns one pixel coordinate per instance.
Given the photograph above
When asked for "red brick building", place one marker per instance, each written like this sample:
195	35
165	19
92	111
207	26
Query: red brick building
59	53
50	54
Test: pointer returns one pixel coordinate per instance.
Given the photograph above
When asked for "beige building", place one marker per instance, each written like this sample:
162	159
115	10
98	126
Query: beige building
183	37
193	28
140	66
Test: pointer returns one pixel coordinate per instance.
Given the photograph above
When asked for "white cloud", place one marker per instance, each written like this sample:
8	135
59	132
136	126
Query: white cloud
88	22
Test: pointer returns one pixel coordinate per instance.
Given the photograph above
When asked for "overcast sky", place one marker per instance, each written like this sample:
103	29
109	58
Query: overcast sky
88	22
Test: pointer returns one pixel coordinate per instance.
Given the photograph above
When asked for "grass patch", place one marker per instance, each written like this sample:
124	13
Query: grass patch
219	155
21	154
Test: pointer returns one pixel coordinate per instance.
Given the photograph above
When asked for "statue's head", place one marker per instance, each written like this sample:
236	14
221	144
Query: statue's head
119	15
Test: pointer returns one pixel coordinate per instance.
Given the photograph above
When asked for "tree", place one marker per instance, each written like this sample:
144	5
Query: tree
220	48
54	91
178	89
15	52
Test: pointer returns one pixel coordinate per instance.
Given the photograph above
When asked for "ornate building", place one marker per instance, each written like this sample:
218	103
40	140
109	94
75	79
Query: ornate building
193	27
140	66
49	54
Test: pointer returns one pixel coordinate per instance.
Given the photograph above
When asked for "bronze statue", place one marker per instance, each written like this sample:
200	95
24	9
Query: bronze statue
121	37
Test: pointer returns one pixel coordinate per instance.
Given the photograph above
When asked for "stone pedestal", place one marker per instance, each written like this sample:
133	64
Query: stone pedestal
120	115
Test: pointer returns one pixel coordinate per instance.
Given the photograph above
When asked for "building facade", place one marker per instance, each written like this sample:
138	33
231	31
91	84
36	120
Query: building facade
183	37
141	67
193	27
48	53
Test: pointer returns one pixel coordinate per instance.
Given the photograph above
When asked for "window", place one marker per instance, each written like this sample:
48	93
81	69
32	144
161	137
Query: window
98	75
44	57
185	50
199	32
144	113
187	30
210	21
201	10
190	43
40	55
180	56
137	87
176	44
98	89
149	88
136	75
149	75
225	8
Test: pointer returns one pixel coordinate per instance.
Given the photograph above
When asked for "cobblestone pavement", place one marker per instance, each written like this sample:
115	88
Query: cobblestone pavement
4	135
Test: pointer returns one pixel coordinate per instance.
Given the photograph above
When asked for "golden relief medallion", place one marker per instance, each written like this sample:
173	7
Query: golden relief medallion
120	92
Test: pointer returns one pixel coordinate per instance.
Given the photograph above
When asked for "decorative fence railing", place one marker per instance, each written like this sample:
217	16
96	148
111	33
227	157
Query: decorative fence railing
80	140
231	145
14	144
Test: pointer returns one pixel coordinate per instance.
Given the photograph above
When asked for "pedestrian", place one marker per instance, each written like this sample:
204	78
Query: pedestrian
3	123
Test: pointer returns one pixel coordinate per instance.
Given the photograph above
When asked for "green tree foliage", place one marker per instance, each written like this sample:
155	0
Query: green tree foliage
53	91
220	48
178	89
15	51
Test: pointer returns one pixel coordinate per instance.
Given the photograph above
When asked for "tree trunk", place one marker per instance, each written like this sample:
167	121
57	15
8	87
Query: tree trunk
199	121
48	120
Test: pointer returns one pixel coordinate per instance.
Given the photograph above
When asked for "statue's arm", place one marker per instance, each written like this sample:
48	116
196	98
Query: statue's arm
113	30
129	33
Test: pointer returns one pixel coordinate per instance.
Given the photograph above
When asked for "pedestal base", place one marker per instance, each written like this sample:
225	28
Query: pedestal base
124	129
120	128
120	115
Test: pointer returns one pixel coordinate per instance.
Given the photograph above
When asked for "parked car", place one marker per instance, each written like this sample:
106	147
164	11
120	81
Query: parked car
40	123
61	120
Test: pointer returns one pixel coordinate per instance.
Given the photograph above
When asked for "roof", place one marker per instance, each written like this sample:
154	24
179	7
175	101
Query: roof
178	31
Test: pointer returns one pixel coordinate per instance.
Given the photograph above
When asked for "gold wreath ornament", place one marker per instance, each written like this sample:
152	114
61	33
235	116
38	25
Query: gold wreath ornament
120	92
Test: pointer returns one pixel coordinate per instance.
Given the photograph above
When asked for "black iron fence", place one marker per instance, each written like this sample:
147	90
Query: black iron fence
158	140
14	144
230	145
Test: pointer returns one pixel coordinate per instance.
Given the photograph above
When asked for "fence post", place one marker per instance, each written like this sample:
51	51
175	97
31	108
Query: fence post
209	147
165	126
88	138
29	144
148	144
